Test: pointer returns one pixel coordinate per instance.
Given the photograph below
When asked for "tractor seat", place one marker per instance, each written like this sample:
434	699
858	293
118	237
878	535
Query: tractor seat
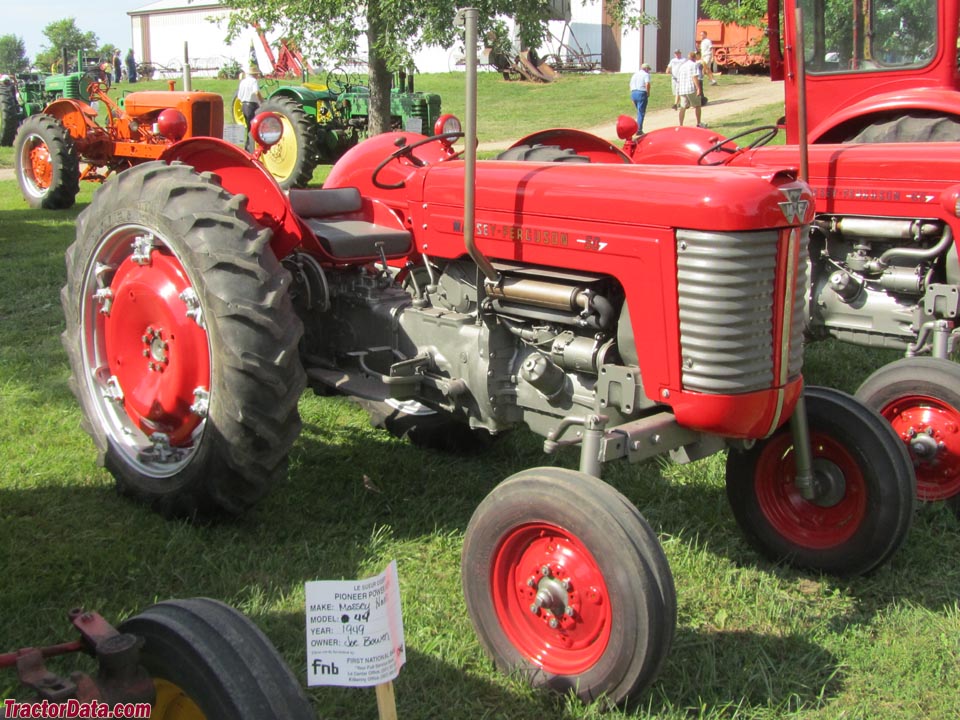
346	238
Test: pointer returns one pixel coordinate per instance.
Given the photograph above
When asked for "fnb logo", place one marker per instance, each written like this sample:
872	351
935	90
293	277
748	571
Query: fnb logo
794	209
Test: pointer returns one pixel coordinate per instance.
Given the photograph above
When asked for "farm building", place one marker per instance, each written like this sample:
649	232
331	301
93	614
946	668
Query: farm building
161	30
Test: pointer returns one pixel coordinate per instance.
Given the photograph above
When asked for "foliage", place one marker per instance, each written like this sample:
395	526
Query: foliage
13	55
742	12
394	30
64	35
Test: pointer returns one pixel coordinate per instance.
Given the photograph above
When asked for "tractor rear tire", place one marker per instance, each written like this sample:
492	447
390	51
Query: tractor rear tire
46	163
208	660
292	160
182	341
915	126
567	585
236	112
542	153
864	484
9	114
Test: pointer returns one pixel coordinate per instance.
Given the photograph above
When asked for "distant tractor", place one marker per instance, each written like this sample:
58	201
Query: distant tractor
322	121
51	147
27	94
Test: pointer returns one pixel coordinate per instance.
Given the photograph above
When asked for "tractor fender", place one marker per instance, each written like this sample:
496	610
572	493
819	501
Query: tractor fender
672	146
896	102
76	116
302	94
240	173
580	142
356	167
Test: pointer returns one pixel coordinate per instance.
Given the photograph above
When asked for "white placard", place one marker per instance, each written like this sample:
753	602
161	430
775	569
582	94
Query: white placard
355	630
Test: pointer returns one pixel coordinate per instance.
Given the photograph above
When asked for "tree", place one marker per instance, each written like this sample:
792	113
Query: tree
65	35
394	30
13	55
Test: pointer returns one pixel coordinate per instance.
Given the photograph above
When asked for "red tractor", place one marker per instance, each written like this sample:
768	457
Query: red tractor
884	270
873	71
600	304
55	150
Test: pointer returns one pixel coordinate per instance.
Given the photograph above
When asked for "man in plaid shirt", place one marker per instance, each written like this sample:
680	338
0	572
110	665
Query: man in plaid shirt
688	87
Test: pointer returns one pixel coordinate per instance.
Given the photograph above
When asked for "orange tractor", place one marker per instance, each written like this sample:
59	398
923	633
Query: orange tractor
67	142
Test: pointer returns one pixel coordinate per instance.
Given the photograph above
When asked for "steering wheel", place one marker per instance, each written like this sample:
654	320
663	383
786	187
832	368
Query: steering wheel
769	132
406	151
338	81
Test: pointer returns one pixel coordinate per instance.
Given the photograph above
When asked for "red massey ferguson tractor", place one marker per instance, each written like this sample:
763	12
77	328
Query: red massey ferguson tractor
55	150
603	305
884	270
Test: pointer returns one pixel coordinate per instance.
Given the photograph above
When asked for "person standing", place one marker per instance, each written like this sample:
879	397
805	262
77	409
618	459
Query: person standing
131	64
248	93
640	93
673	68
706	55
117	66
688	87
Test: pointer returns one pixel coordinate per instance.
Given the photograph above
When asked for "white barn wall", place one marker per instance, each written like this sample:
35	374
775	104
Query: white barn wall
169	26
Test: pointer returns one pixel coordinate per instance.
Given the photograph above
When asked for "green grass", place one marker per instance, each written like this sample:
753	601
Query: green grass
753	640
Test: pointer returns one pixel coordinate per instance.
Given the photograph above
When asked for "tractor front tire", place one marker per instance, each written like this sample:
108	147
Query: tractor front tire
920	398
567	585
46	163
292	160
209	661
864	490
9	114
182	341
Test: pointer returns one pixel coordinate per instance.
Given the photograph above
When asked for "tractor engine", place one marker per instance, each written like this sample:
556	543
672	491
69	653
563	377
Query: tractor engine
877	280
530	348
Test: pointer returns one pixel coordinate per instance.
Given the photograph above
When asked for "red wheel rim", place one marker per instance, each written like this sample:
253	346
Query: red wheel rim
569	634
930	428
41	168
799	521
156	351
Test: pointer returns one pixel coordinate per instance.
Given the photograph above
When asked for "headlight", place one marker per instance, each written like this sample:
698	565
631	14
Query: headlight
267	129
447	124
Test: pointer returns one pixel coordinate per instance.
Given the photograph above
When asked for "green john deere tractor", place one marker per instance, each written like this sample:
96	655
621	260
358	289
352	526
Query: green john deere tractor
29	93
322	121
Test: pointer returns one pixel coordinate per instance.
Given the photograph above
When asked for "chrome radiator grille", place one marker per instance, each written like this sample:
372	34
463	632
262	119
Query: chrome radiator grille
727	308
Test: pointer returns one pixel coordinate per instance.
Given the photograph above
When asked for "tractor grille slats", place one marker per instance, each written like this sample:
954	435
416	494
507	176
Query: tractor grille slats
727	308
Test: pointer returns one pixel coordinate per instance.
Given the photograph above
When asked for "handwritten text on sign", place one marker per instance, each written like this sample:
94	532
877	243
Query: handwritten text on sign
355	630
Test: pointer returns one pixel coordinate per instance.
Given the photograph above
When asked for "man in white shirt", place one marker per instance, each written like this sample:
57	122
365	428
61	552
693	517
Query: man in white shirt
675	62
706	55
248	93
640	93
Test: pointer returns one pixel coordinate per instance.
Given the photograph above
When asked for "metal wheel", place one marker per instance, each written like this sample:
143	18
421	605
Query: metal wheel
292	160
46	162
236	112
182	342
920	398
864	487
566	583
208	662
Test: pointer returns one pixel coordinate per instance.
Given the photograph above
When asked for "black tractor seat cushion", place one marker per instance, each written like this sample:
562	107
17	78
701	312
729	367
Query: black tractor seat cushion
346	238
